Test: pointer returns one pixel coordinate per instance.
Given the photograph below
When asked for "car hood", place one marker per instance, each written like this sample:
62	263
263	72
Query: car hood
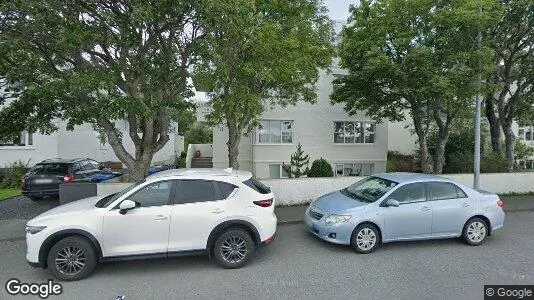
337	201
78	206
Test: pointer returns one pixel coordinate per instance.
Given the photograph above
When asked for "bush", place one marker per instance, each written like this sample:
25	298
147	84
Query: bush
13	178
398	162
493	162
179	162
321	168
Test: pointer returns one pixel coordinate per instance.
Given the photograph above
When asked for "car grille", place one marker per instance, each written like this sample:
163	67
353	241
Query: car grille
315	215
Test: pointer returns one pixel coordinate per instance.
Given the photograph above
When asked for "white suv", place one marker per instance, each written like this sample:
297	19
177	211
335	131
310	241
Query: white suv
223	213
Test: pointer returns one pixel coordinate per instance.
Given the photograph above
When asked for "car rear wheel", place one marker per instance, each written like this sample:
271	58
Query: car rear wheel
475	232
365	238
72	258
233	248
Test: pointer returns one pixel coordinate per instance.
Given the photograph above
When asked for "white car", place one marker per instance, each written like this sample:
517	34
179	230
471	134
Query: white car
222	213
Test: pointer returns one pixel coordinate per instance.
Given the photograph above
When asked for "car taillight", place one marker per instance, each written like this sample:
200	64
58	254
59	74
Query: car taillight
68	178
264	203
500	203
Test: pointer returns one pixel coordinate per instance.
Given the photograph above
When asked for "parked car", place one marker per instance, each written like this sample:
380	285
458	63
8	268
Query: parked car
223	213
44	178
404	206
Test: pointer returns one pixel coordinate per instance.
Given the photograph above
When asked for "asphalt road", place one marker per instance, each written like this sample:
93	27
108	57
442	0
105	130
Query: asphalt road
299	266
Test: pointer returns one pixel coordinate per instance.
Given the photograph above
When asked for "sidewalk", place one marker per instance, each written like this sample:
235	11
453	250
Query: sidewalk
14	229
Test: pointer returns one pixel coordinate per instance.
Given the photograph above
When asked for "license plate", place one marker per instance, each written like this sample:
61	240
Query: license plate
43	181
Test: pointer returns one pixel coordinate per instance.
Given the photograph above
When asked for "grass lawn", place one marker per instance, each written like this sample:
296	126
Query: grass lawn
8	193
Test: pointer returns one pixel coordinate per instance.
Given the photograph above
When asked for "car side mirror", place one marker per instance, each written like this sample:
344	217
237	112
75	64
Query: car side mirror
392	202
126	205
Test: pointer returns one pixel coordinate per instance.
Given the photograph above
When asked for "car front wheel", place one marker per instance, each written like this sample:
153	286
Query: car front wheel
72	258
475	232
233	248
365	238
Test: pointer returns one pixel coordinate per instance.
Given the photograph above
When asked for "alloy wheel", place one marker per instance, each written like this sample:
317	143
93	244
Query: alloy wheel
70	260
476	232
234	249
366	239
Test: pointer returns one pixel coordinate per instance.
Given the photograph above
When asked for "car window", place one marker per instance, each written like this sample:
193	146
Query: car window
49	169
413	192
461	193
257	185
92	165
154	194
442	190
226	188
369	189
191	191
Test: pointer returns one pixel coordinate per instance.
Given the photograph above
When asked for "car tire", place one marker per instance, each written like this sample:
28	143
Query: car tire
35	198
365	238
233	248
475	232
73	251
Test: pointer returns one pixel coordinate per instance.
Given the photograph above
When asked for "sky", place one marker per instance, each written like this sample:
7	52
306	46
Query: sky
339	9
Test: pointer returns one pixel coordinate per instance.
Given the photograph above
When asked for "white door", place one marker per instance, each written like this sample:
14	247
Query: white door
142	230
199	206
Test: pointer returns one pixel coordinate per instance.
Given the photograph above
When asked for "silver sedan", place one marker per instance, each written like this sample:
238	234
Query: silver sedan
404	206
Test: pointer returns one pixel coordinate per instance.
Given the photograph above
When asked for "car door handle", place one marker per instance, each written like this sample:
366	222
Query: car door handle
425	208
465	204
217	211
159	217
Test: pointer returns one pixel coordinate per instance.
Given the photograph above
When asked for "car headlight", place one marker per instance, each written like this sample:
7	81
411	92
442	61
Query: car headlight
34	229
331	219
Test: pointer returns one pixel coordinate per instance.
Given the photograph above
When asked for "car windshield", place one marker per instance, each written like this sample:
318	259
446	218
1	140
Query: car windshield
49	169
110	198
369	189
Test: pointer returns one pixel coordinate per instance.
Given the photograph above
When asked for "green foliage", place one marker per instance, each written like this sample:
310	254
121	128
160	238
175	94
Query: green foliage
185	118
415	55
16	171
398	162
260	54
298	161
493	162
96	62
522	152
9	193
321	168
199	133
179	162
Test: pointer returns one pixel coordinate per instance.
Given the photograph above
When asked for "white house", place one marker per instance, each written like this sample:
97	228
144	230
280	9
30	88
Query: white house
82	142
353	145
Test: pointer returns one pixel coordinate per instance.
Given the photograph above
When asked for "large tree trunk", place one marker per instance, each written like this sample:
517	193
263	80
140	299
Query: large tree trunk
154	137
422	135
443	121
509	141
493	119
234	138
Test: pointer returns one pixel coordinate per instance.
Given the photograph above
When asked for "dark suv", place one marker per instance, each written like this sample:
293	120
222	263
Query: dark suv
44	178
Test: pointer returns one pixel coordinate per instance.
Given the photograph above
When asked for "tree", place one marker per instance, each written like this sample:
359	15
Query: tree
96	62
321	168
510	91
260	54
419	56
199	133
298	161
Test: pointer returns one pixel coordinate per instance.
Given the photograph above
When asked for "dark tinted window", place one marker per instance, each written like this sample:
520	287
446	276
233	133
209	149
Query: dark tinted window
414	192
154	194
191	191
461	193
257	186
51	169
442	190
226	189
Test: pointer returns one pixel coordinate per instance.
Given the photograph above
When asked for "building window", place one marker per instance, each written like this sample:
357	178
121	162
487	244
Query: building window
275	132
354	169
354	133
276	171
24	139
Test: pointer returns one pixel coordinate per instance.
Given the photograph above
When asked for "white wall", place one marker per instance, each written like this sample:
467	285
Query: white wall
302	190
400	139
44	146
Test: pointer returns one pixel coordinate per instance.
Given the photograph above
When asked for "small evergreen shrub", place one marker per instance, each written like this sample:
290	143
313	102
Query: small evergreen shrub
321	168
